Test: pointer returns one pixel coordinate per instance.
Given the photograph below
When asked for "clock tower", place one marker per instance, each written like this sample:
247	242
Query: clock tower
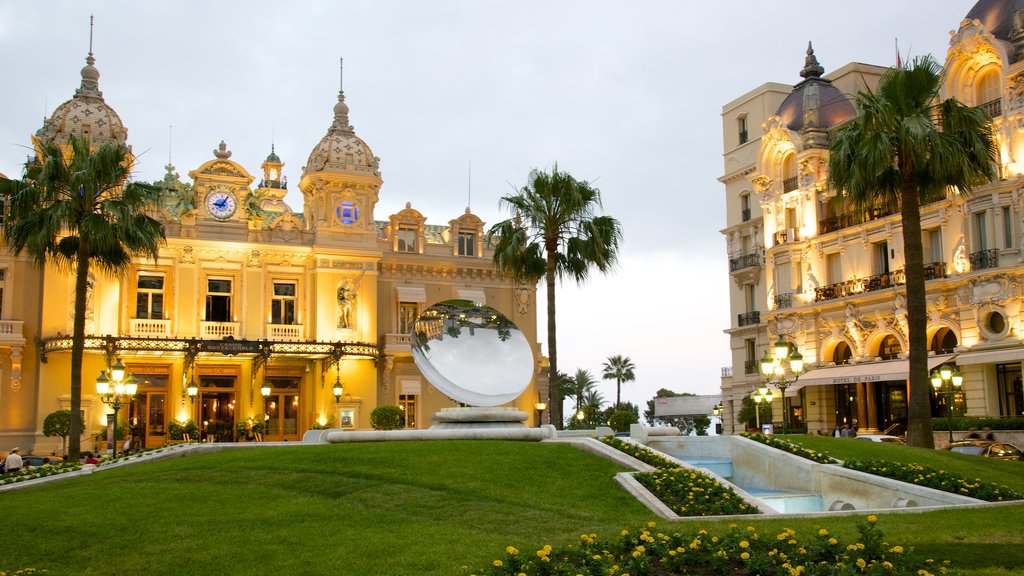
222	189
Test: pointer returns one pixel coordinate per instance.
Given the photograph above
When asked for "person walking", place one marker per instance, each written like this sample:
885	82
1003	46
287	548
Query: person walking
13	463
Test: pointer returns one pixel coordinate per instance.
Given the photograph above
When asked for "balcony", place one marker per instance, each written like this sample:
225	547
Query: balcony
787	235
743	136
790	184
751	366
783	301
397	343
934	270
286	332
860	285
993	108
853	218
147	328
215	330
746	214
726	371
12	331
984	259
744	261
748	318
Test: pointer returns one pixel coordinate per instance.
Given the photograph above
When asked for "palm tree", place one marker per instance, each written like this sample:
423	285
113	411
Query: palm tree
619	368
579	385
906	148
75	211
554	234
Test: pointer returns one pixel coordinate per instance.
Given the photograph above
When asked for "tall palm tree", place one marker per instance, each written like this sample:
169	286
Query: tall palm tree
619	368
555	234
907	147
579	385
76	211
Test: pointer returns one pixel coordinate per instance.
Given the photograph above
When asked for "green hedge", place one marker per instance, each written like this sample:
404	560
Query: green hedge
979	423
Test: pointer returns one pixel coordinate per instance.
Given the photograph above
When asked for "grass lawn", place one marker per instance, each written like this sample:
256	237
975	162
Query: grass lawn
407	508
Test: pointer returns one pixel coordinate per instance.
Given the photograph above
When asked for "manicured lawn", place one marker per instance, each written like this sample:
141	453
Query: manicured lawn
411	508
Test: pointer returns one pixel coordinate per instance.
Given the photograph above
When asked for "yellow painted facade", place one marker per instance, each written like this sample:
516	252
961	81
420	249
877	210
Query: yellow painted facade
247	293
830	280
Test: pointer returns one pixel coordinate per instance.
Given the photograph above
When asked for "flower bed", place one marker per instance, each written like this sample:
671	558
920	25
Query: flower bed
937	479
738	551
790	447
687	492
38	472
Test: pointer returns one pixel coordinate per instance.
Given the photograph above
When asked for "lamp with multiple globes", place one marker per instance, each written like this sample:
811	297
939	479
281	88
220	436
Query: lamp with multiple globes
947	381
782	367
762	394
116	391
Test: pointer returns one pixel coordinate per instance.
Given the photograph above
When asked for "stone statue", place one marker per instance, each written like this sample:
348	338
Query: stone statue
347	293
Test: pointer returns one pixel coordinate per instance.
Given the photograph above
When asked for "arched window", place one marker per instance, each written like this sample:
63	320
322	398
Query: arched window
944	341
789	174
889	349
988	92
842	354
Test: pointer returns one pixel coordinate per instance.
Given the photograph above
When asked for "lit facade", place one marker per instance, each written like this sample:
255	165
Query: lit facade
247	293
829	280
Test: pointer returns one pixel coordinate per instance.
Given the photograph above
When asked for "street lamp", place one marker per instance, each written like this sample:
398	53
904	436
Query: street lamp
763	394
339	388
782	366
265	392
540	407
947	381
118	395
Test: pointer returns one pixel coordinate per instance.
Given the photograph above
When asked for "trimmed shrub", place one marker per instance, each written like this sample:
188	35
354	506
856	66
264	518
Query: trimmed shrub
387	417
620	421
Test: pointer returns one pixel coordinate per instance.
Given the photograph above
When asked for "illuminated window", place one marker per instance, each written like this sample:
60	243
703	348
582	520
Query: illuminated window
467	243
889	349
347	213
933	245
880	257
943	342
407	402
1007	227
149	297
980	221
406	239
282	305
218	300
842	354
834	268
3	284
408	312
988	88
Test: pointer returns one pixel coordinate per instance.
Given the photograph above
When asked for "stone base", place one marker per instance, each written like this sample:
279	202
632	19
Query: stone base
475	418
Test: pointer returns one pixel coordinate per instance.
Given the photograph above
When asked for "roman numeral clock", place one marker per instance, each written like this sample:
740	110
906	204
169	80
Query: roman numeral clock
221	203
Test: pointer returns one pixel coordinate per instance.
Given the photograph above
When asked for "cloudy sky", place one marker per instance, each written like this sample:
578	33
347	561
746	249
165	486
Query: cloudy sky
627	95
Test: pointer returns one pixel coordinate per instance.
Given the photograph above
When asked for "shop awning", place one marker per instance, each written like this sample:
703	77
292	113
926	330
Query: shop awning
984	357
472	294
411	293
863	372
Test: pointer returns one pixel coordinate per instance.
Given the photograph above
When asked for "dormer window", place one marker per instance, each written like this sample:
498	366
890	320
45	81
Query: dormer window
406	236
467	243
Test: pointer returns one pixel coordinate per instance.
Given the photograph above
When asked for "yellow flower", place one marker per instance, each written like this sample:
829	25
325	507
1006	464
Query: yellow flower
511	550
651	524
822	532
833	541
896	550
872	518
887	565
745	555
861	563
497	563
744	544
636	553
624	533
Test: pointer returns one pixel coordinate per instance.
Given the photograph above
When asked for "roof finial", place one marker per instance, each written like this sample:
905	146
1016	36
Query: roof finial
469	188
811	67
341	109
341	75
170	142
90	75
90	33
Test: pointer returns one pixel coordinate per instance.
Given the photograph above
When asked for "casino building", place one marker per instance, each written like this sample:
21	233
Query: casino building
829	280
252	310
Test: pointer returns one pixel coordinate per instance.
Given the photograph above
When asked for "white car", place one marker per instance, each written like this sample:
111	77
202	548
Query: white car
881	438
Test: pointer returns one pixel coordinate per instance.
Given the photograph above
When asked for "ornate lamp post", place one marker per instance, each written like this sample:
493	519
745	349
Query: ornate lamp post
947	381
118	395
763	394
265	392
540	407
339	388
782	366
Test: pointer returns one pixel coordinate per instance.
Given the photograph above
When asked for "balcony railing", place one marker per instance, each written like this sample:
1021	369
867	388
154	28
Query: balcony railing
845	220
746	214
743	136
984	259
750	366
787	235
994	108
790	184
286	331
398	342
218	329
748	318
726	371
744	261
11	330
783	301
934	270
148	328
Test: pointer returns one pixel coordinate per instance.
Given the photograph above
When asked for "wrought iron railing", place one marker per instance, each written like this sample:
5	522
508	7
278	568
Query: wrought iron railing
744	261
746	214
787	235
750	366
934	270
748	318
860	285
783	301
790	184
743	136
853	218
984	259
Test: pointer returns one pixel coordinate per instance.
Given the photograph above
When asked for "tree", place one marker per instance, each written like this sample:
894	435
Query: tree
907	148
577	386
59	424
619	368
554	234
77	210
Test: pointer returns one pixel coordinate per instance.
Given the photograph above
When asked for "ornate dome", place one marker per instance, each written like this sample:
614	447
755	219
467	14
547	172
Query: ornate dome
341	150
817	96
86	114
996	16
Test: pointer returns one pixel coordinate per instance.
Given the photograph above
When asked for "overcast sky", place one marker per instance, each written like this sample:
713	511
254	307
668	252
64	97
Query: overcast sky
627	95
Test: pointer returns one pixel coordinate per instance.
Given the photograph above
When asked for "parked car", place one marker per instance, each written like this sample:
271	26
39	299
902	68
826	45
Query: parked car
881	438
35	461
987	448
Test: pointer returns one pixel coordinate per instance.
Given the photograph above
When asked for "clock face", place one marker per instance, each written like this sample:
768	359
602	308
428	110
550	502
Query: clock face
221	205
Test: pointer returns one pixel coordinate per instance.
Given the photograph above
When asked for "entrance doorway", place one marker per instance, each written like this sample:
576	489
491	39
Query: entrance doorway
149	421
217	409
892	406
282	406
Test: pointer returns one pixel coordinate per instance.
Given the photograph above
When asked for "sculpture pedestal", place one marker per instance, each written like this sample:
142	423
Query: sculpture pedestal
478	417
